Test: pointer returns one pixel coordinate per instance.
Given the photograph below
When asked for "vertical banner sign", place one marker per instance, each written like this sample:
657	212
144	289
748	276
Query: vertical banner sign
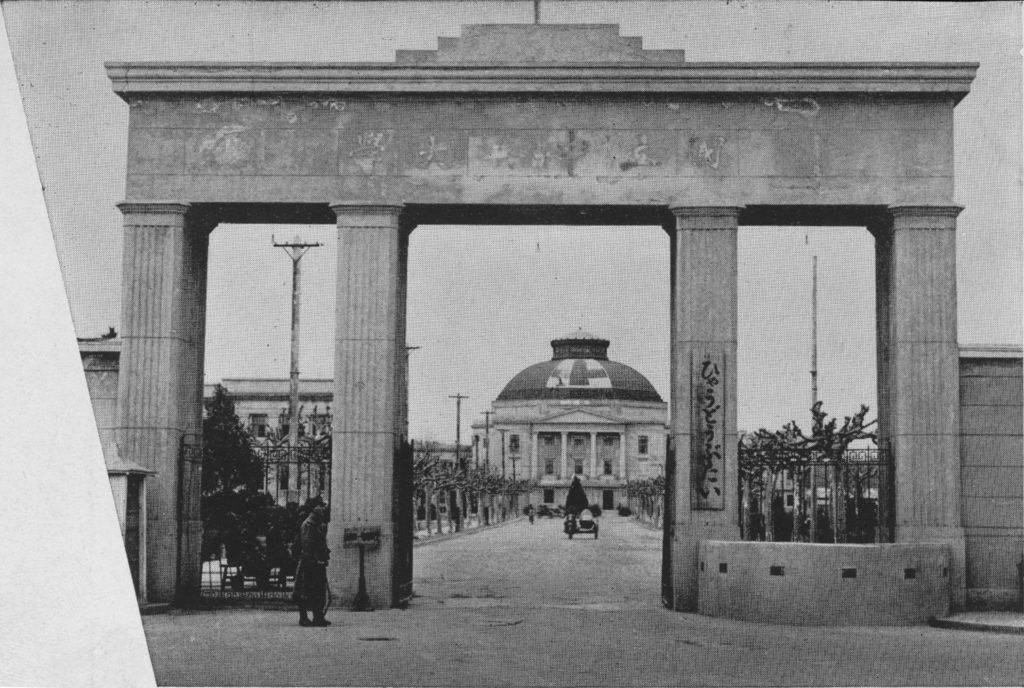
707	454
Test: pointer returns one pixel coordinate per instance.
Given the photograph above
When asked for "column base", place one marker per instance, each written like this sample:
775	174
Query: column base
952	537
685	560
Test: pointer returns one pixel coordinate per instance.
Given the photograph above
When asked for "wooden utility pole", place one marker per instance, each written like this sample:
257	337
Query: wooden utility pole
295	249
487	463
458	452
487	440
813	526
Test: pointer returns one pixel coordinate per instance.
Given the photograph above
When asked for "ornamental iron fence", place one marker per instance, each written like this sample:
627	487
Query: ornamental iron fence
845	501
253	562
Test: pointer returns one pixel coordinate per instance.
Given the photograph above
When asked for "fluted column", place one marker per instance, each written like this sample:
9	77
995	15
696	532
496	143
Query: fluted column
535	448
160	383
622	456
593	455
919	384
564	456
369	398
703	389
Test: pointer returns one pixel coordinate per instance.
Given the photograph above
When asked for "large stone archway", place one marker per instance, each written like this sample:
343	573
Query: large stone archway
539	124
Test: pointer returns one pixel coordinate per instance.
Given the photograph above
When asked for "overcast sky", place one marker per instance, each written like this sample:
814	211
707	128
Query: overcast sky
485	302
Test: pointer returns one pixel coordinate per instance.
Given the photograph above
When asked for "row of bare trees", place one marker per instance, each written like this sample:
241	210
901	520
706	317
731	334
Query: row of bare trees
443	483
647	499
789	461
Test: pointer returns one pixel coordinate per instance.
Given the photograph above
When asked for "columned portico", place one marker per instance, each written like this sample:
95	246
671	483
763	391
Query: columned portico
160	386
919	388
704	317
369	394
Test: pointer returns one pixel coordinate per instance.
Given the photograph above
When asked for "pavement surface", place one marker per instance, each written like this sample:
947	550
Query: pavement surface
522	605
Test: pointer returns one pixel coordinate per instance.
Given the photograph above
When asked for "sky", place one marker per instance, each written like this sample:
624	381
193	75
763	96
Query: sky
483	302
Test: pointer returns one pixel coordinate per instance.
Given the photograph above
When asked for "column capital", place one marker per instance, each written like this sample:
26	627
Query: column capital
705	216
917	216
153	207
367	213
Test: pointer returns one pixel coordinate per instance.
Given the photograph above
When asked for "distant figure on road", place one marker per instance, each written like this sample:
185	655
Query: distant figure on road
529	512
311	574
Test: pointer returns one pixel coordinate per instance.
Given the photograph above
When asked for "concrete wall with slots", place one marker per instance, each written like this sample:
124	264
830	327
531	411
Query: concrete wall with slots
991	447
824	585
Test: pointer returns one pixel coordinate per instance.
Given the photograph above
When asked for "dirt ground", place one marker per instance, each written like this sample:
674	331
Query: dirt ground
522	605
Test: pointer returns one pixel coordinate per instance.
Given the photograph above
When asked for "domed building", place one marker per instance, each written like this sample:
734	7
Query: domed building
578	414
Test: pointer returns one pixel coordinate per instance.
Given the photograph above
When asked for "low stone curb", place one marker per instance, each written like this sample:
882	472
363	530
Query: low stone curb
954	624
467	531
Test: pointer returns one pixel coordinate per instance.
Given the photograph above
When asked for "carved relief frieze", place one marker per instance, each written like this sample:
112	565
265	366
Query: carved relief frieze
628	153
230	149
708	153
369	151
521	153
435	152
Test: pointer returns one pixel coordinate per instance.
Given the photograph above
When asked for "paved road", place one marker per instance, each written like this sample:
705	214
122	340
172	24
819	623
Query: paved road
522	605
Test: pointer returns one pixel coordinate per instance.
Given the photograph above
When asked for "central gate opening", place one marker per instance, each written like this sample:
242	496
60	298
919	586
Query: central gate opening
485	303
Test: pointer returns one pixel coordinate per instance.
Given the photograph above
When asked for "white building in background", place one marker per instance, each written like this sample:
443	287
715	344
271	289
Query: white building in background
261	405
578	414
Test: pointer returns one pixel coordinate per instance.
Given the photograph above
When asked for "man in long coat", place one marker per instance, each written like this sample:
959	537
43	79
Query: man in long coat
311	574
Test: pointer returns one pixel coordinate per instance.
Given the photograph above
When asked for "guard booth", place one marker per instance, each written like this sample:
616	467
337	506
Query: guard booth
128	485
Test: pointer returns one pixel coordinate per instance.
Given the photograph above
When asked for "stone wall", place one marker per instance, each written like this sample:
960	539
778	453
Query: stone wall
992	475
826	585
100	362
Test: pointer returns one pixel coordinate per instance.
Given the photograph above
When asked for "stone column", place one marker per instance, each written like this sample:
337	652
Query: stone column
622	456
160	384
919	384
534	450
369	398
703	390
593	455
564	456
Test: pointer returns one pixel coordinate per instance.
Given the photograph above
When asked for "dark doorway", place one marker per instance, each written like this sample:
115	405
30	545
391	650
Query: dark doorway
607	499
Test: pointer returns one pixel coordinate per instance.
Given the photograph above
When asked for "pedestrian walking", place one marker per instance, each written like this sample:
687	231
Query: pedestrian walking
529	512
311	574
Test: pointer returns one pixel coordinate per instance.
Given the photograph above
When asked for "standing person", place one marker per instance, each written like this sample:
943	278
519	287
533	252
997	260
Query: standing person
529	512
311	574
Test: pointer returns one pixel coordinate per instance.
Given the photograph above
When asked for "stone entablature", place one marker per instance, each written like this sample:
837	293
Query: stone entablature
634	127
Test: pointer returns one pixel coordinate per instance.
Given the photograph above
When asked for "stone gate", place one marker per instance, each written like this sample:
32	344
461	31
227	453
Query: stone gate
538	124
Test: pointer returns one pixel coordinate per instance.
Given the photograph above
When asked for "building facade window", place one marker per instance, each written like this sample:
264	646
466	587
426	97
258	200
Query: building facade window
513	444
641	445
549	466
549	496
607	467
258	424
579	467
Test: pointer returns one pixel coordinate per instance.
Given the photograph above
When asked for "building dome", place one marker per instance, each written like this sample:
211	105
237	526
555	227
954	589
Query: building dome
579	369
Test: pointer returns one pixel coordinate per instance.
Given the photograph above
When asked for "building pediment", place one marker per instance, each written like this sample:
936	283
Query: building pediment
579	416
